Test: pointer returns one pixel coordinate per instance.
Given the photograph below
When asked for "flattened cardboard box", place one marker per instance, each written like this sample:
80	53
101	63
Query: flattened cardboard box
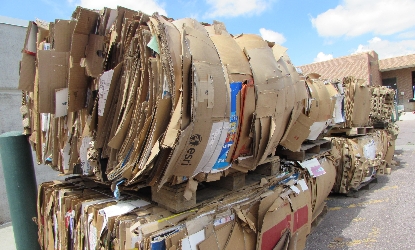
53	74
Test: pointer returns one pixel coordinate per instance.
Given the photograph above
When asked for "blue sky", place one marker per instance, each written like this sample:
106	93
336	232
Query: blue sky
312	30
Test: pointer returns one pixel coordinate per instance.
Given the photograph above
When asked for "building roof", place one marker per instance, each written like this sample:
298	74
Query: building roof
400	62
356	65
13	21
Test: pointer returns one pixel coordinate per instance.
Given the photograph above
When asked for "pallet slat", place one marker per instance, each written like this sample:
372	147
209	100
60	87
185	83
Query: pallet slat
307	151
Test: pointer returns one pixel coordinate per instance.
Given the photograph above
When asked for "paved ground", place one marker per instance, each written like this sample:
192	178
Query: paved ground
382	217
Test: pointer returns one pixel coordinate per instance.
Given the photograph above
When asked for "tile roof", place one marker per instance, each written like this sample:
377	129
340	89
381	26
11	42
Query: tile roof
354	65
399	62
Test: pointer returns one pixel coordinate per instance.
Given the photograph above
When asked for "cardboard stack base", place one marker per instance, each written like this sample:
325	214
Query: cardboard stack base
273	214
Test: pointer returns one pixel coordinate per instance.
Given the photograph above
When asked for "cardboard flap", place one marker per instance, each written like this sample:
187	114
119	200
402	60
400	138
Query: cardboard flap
30	45
78	84
94	55
27	72
296	133
62	36
278	51
201	46
263	64
361	107
53	74
170	41
231	55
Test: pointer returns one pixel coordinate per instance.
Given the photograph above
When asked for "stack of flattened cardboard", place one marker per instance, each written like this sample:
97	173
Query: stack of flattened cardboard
141	100
382	104
275	214
360	159
359	155
357	96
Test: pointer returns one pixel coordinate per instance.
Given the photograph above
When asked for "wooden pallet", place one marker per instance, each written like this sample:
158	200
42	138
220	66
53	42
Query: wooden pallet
308	150
172	197
355	192
355	131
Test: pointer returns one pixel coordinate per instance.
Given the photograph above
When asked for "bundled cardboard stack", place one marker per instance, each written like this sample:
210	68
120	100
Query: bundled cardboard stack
272	214
360	159
382	104
359	151
149	103
142	100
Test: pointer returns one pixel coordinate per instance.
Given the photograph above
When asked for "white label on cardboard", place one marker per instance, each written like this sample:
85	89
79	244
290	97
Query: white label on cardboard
338	110
83	155
45	122
313	167
166	89
66	155
191	242
104	87
213	148
316	129
369	150
61	103
92	237
46	46
85	205
295	189
218	161
224	220
303	184
118	209
55	229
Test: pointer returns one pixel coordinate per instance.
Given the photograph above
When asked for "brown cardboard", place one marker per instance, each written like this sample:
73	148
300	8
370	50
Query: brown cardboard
94	55
172	36
86	22
102	119
302	215
30	40
78	83
297	133
207	104
247	107
27	72
63	30
361	107
324	183
52	75
276	221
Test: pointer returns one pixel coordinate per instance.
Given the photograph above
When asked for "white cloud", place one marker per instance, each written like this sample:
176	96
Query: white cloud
357	17
233	8
272	36
409	34
146	6
386	49
323	57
